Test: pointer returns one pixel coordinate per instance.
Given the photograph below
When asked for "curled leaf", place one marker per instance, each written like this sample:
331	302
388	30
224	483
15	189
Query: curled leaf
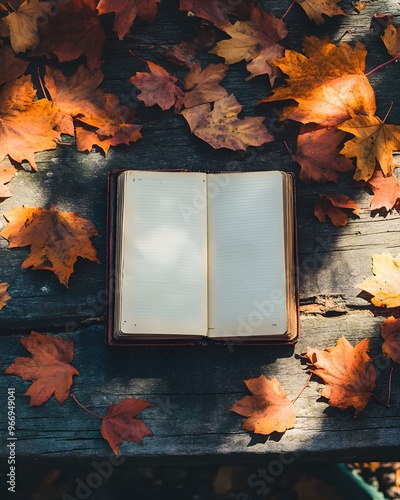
334	206
390	331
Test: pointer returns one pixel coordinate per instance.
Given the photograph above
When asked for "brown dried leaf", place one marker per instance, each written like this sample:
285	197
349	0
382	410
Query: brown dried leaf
56	239
256	41
7	172
315	8
391	39
222	128
10	66
217	12
202	85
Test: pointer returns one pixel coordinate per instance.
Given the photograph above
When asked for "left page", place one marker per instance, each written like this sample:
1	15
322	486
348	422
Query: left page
162	276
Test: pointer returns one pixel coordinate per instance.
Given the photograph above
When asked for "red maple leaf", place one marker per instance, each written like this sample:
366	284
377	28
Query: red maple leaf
49	368
120	425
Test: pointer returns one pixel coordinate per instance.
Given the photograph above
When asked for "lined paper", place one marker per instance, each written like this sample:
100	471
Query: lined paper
246	255
164	249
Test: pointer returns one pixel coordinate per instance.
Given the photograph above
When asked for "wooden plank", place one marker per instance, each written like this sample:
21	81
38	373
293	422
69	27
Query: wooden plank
191	391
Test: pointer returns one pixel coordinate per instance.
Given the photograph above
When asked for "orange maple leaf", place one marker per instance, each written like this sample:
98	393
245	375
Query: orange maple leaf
126	12
374	141
75	31
7	172
386	192
57	239
328	83
222	128
256	41
120	425
23	23
346	371
10	66
334	206
157	87
4	296
391	39
202	85
77	97
49	368
217	12
268	409
318	153
390	331
385	285
26	126
315	8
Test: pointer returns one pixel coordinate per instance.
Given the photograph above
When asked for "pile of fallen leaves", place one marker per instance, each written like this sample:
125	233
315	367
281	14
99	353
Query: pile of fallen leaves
324	89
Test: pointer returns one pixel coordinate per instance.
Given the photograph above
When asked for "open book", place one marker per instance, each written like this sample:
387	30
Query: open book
204	255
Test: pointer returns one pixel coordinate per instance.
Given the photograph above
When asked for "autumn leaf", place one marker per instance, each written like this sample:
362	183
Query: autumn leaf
120	425
315	8
77	97
26	126
374	141
391	39
183	54
222	128
75	31
49	368
4	296
318	153
390	331
7	172
215	11
23	23
10	66
126	12
268	409
56	239
157	87
256	41
334	206
346	371
328	83
202	85
385	285
386	192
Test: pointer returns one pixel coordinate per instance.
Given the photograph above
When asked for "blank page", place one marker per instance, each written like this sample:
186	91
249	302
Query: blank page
246	251
164	254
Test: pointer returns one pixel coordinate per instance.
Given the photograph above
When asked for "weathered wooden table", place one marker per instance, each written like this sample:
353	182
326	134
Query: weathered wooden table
192	388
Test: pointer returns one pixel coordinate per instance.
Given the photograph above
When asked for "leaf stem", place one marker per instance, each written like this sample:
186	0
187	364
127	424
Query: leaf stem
388	111
288	9
379	400
41	83
84	407
382	65
389	387
302	389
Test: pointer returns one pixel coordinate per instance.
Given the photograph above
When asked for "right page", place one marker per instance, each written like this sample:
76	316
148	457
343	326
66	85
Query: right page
247	275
